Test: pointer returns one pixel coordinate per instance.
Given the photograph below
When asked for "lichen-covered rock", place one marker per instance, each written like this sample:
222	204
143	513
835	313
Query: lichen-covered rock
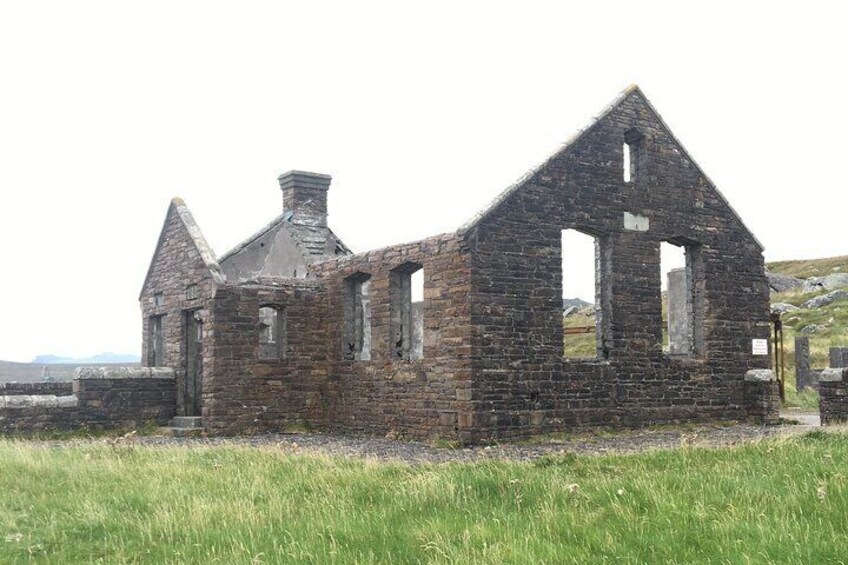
827	282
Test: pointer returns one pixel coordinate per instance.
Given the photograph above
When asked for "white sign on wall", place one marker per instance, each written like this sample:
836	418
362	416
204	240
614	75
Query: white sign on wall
759	346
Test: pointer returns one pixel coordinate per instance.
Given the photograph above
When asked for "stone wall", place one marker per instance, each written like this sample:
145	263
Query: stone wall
422	398
245	394
522	384
833	393
100	398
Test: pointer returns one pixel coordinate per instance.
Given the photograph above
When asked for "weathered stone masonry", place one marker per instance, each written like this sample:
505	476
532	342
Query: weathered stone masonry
492	361
424	397
522	385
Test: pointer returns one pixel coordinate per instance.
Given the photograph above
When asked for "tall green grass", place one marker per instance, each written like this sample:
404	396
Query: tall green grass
777	501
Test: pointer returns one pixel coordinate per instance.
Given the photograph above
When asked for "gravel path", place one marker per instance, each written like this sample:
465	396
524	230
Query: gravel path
417	452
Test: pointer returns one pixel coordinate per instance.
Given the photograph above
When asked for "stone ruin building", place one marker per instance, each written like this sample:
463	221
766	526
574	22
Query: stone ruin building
291	328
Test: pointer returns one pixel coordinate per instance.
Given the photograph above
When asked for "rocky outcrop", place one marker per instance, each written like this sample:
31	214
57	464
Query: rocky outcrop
782	283
575	302
826	299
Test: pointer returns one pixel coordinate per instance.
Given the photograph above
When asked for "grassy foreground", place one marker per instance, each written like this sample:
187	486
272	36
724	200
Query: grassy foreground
777	501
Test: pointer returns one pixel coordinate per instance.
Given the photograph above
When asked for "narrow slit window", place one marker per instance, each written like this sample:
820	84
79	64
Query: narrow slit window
357	328
156	341
272	327
582	303
407	316
633	154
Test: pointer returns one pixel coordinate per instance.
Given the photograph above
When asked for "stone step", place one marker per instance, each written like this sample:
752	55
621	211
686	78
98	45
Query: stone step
187	422
184	432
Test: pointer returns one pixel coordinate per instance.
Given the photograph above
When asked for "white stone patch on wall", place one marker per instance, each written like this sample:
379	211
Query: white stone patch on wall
635	222
38	400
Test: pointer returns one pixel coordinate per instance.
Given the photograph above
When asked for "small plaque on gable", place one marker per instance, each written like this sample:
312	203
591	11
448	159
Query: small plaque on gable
759	346
635	222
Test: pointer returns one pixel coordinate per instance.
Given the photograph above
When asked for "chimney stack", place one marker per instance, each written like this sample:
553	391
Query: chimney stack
305	196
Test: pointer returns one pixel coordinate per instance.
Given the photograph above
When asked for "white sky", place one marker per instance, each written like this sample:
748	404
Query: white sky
422	115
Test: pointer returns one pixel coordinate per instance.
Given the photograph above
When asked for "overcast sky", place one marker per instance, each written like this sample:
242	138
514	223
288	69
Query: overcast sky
421	115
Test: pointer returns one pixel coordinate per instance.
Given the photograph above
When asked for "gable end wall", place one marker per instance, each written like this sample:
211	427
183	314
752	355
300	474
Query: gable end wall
521	383
176	265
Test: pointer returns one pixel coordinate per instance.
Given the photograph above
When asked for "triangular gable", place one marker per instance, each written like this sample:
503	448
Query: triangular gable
274	225
263	247
179	211
631	90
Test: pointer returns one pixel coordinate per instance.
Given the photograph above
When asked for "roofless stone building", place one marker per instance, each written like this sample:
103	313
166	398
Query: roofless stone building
291	327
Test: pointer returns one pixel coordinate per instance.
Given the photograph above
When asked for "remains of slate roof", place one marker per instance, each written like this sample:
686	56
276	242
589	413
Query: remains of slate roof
292	241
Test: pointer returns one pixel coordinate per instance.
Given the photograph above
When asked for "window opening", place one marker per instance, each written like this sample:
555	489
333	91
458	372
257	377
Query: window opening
407	319
582	314
678	269
633	154
272	326
357	328
156	340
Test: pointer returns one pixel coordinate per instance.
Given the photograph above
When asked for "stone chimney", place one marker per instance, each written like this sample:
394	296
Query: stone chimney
305	196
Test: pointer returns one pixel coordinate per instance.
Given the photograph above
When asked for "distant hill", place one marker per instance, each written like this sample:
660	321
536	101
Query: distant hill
805	268
95	359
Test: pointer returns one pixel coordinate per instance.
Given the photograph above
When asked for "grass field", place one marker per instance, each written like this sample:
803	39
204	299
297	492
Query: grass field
778	501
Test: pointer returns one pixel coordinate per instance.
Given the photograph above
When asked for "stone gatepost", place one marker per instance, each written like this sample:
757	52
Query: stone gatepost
802	363
762	397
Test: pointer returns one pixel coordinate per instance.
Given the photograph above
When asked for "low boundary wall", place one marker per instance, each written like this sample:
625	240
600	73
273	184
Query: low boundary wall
98	398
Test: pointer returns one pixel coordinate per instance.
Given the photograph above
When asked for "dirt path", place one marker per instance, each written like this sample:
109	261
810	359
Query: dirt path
583	443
